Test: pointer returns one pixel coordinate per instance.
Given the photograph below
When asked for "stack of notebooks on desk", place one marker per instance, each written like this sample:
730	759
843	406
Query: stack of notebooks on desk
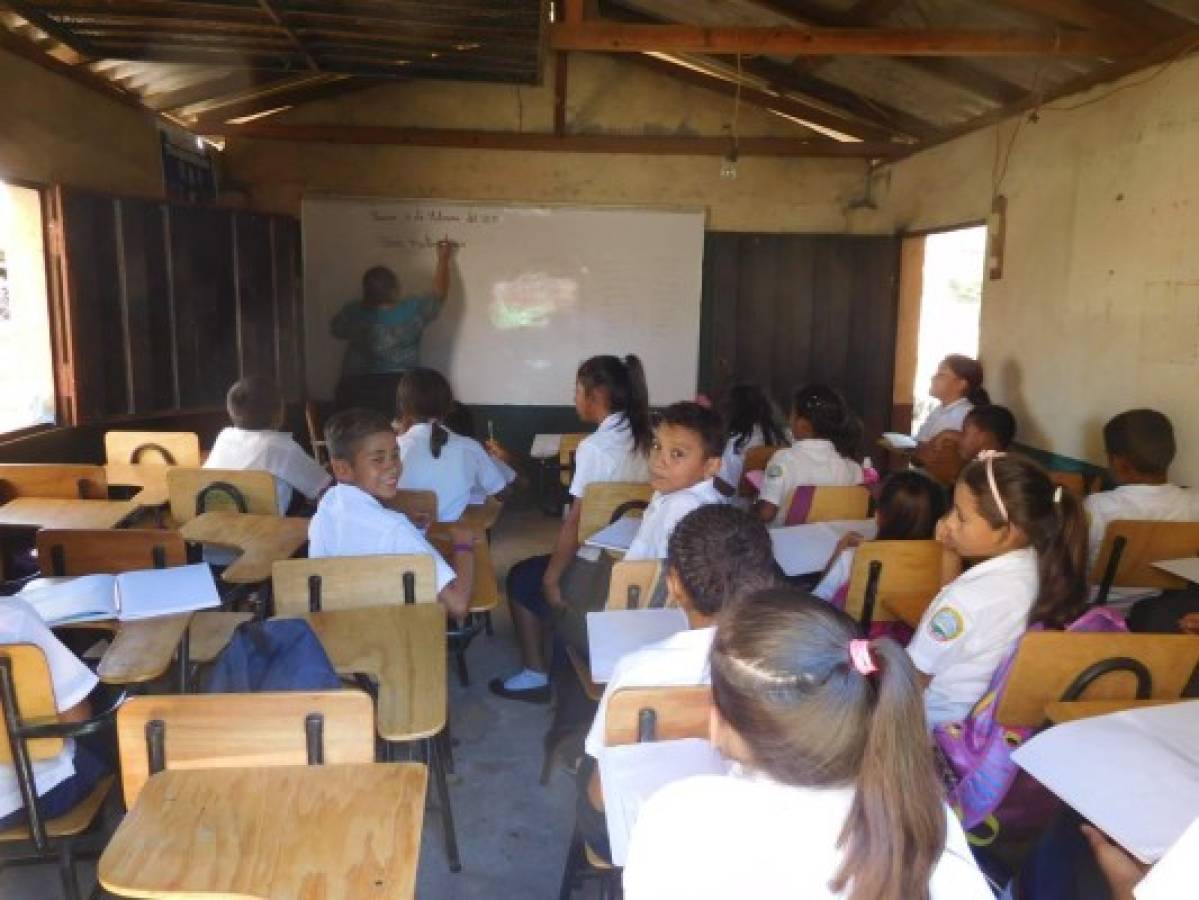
127	597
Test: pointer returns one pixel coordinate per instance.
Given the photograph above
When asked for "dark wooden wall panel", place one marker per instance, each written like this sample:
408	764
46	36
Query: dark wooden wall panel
147	305
255	294
785	310
289	300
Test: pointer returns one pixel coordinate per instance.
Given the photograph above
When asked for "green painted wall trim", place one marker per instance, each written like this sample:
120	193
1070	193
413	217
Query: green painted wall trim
1058	463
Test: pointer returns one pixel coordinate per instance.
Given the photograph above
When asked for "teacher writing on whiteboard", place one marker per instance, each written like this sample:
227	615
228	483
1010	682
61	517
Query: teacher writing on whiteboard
384	331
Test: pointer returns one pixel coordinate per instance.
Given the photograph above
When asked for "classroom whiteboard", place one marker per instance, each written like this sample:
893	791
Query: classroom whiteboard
534	291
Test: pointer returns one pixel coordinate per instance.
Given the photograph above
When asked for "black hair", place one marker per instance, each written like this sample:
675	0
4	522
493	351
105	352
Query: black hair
996	420
1054	522
377	282
747	407
699	419
254	403
623	380
345	431
910	504
460	420
830	417
784	680
720	553
1144	438
424	395
969	370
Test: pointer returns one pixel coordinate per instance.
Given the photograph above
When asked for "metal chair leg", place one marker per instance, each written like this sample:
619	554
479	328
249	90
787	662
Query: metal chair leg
463	674
66	871
437	771
447	749
574	858
487	624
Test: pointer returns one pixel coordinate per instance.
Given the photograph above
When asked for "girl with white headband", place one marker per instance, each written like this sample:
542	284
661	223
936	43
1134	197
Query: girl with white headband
1027	540
834	793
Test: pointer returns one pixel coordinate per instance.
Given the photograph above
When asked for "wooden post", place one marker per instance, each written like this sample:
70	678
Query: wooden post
561	67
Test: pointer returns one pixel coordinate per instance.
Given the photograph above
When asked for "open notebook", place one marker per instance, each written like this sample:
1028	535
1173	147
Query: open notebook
1134	774
631	774
618	536
803	549
132	595
613	633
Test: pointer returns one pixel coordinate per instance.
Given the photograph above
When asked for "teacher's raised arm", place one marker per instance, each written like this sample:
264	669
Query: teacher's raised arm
384	330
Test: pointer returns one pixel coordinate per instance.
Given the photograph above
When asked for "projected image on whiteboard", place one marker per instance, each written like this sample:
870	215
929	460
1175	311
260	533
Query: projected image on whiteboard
531	300
533	291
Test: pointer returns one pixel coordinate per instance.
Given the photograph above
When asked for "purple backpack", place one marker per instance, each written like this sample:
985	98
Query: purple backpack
983	783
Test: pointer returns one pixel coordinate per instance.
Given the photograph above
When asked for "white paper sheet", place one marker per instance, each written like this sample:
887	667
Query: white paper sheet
618	536
1173	875
162	592
803	549
1134	774
1187	567
635	772
613	633
545	446
59	601
897	441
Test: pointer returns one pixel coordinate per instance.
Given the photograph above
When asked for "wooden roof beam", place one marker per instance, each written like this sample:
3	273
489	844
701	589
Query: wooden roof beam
619	37
295	94
273	14
646	145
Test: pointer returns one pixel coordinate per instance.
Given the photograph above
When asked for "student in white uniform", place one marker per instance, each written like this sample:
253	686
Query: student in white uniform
1140	448
991	427
1028	540
610	393
683	460
62	781
827	435
958	385
749	417
834	794
255	442
351	521
717	553
434	458
910	504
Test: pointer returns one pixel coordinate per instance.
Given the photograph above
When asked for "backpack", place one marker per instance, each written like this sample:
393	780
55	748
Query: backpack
276	655
983	783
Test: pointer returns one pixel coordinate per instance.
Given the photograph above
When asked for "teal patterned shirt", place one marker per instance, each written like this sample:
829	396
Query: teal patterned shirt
383	340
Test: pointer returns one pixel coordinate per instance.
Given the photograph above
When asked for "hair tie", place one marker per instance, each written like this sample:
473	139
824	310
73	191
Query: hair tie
1057	494
859	655
989	457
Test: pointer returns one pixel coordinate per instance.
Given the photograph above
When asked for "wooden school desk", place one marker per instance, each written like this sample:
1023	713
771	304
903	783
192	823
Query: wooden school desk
150	478
262	540
403	648
328	832
1071	710
44	512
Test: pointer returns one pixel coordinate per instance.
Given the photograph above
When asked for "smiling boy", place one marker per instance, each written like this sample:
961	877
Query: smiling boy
351	520
683	461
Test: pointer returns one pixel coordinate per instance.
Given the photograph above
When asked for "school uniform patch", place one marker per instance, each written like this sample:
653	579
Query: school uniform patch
774	471
947	625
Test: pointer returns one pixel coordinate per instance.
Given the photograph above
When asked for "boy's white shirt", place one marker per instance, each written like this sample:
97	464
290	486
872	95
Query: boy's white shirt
350	522
608	454
1148	502
776	841
272	451
812	461
678	661
664	512
966	631
72	681
462	471
946	417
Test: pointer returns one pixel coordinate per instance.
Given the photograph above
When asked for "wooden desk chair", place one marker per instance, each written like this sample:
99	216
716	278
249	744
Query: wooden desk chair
316	432
942	460
52	481
27	699
419	506
1063	665
635	716
756	460
168	448
606	501
1131	547
107	551
893	580
217	731
827	503
347	582
566	456
194	490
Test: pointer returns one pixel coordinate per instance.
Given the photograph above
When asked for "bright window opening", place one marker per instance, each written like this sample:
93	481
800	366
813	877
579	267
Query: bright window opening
950	304
27	370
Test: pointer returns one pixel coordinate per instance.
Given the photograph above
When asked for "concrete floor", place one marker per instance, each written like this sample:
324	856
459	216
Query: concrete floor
512	833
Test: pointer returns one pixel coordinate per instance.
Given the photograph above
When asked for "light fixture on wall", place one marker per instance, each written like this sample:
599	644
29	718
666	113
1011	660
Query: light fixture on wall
728	163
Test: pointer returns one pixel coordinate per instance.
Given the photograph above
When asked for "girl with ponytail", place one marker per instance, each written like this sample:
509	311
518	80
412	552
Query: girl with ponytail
611	394
1027	538
834	793
433	458
958	385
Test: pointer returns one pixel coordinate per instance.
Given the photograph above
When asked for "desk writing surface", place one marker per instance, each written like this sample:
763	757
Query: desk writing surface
142	650
403	647
1061	711
330	832
262	540
150	478
44	512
